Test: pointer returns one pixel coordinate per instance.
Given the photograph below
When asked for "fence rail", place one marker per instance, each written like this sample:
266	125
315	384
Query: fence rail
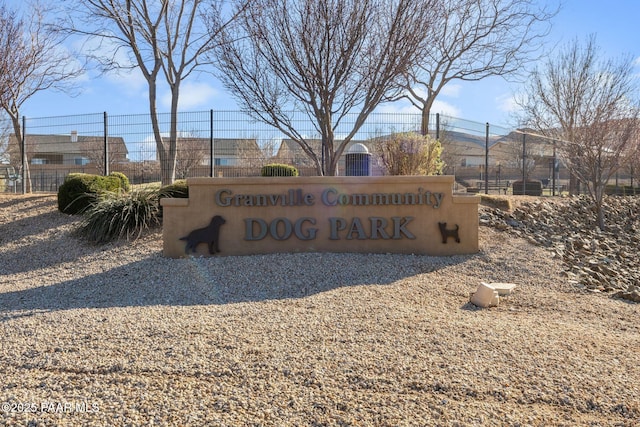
483	157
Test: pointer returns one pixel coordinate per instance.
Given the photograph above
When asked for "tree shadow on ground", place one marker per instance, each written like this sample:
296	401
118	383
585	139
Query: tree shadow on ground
155	280
18	201
33	225
44	242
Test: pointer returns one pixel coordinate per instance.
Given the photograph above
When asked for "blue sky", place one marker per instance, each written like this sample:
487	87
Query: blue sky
615	23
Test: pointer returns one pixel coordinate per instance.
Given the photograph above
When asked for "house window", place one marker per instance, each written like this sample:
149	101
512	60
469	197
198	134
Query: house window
81	161
223	162
36	161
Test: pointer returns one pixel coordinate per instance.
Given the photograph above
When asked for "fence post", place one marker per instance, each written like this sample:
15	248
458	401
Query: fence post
437	126
524	163
23	143
486	160
211	156
106	143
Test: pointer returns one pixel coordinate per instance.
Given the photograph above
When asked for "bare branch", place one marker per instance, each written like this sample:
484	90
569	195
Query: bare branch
167	38
32	59
328	59
592	105
473	40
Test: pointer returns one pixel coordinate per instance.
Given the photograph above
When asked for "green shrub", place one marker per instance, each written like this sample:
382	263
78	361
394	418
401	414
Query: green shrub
78	190
276	169
177	190
124	181
117	215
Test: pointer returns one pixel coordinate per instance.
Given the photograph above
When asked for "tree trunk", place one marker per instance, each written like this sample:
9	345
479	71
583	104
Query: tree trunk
162	152
173	133
424	124
26	173
425	115
574	185
600	213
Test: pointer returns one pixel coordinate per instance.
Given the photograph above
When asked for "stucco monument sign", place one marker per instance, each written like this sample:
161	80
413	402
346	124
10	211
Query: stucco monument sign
245	216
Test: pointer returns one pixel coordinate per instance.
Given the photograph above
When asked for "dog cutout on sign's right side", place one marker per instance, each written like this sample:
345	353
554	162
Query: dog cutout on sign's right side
209	235
449	233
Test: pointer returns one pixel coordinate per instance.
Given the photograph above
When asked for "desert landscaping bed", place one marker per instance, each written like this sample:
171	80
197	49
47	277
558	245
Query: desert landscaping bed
117	335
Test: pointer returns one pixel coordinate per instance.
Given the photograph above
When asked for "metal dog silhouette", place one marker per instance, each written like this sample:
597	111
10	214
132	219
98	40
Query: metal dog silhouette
448	233
209	235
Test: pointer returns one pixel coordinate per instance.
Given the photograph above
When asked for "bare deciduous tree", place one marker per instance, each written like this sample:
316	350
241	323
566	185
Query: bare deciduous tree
591	105
166	38
472	40
32	59
330	58
93	150
525	151
192	153
5	147
253	156
633	166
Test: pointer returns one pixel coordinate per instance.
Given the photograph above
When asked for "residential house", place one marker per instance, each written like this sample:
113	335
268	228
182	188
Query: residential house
463	153
523	146
70	150
231	157
52	157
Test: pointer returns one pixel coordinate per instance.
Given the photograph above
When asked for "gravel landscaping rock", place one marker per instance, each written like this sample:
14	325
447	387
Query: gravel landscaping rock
600	261
117	335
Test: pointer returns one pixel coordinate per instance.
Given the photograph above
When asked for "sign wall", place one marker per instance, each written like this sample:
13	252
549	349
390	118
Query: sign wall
397	214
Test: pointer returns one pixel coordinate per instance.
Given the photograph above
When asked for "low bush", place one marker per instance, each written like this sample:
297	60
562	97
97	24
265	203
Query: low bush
78	191
178	189
497	202
117	215
124	181
621	190
276	169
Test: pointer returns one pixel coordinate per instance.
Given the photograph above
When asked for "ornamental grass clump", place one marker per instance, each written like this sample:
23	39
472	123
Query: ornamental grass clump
120	215
409	153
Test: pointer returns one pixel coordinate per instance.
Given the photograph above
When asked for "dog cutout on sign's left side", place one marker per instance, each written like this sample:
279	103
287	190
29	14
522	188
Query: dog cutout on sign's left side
209	235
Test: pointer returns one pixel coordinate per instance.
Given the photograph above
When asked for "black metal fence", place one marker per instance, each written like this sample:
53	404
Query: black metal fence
483	157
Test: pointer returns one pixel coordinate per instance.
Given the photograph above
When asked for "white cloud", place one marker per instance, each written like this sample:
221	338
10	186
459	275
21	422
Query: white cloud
146	149
403	107
507	103
451	90
129	81
446	109
143	150
399	107
192	96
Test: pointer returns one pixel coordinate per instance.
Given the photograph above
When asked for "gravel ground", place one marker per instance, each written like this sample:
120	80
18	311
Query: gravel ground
117	335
